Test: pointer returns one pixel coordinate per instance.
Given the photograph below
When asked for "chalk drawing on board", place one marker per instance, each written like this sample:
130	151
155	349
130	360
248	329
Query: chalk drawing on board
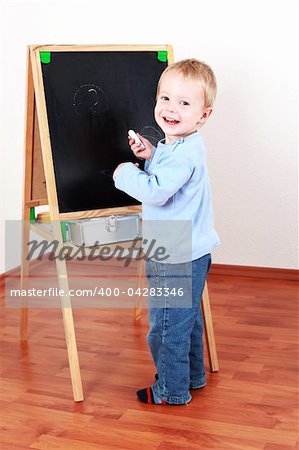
107	172
152	134
90	99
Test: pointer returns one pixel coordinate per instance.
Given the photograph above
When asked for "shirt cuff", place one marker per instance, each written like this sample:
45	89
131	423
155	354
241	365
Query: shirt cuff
118	170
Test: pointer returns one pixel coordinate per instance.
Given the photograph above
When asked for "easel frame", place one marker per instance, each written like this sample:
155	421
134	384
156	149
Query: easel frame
37	139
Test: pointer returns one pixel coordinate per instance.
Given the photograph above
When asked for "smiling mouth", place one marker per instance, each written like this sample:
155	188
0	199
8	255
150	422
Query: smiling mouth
170	121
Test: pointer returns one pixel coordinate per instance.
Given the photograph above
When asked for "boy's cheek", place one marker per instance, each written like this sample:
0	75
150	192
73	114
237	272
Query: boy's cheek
156	113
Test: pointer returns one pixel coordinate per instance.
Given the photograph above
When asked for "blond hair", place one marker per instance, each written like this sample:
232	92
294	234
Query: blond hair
197	71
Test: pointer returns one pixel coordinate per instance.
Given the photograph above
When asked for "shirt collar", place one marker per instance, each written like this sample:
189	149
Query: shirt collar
180	140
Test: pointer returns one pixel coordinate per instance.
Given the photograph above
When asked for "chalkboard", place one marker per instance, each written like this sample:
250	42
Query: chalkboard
93	98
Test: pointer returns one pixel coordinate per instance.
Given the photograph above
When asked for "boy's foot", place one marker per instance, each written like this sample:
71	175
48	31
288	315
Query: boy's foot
193	388
146	395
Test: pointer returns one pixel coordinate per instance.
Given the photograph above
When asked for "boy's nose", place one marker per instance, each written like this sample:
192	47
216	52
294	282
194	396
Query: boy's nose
171	107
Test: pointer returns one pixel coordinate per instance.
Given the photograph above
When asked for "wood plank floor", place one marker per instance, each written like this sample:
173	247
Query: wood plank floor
251	403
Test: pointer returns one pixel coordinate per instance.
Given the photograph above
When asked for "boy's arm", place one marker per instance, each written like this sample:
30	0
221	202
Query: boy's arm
146	164
165	180
148	161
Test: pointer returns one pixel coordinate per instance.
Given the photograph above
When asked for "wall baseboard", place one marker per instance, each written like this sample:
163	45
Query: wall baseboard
216	269
255	272
17	270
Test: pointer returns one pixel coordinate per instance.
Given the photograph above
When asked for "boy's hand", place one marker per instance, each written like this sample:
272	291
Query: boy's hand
139	152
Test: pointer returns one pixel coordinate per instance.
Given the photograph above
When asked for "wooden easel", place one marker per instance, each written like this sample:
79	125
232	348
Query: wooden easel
40	189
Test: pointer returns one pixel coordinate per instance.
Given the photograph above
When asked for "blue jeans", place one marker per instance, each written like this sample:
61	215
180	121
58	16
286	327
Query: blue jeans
175	335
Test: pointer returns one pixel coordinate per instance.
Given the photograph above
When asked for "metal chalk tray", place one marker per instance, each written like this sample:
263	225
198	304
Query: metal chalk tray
105	230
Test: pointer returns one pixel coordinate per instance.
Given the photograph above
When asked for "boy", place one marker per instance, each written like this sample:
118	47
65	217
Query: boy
174	186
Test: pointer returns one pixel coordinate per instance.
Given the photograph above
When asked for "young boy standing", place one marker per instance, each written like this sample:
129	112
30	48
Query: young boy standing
174	186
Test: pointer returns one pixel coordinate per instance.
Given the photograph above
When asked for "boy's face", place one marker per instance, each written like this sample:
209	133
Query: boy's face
180	107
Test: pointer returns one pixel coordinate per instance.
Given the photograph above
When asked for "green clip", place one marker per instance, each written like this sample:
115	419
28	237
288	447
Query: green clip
32	214
45	57
63	231
162	55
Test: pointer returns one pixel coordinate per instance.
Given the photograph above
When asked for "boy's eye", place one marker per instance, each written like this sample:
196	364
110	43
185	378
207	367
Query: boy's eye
164	98
184	103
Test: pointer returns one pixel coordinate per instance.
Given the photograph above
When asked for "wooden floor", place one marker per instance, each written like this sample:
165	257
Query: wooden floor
252	403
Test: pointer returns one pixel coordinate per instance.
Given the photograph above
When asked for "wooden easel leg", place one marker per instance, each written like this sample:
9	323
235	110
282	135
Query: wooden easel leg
24	324
24	280
69	329
72	351
67	314
28	163
209	330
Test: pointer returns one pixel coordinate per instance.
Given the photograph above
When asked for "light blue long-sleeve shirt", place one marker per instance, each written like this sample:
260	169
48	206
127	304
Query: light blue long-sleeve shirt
174	188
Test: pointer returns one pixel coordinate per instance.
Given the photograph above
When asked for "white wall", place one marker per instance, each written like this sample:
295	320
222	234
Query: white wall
251	137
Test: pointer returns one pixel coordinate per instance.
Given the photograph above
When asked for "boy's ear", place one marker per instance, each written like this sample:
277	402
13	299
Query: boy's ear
206	114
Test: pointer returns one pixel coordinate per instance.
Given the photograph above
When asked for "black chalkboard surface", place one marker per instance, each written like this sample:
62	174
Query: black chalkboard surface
93	99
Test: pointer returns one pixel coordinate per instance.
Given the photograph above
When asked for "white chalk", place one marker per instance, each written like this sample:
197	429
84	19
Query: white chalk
134	136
